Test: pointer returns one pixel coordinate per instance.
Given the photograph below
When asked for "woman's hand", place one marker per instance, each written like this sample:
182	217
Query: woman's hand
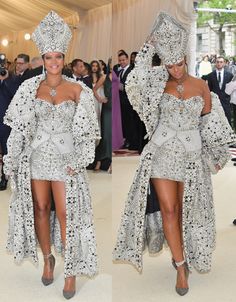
104	100
218	167
70	171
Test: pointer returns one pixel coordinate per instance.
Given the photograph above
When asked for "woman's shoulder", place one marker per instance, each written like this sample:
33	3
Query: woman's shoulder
197	82
73	84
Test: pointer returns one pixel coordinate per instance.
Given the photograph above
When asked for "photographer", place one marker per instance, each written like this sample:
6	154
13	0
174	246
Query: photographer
8	87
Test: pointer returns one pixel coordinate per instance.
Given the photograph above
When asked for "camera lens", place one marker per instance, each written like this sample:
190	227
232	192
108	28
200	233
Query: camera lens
3	72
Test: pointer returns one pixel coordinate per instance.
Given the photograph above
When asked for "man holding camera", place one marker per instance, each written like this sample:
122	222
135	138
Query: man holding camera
8	87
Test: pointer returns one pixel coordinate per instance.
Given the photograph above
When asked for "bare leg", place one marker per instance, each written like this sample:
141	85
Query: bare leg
180	197
167	192
98	166
42	204
59	194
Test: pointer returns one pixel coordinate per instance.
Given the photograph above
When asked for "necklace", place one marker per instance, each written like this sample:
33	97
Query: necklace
180	89
52	90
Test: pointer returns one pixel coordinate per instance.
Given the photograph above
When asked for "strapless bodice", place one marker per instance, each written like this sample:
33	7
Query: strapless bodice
54	118
180	114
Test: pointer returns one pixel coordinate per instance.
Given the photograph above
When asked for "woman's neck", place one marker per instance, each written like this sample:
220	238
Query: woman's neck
182	79
53	79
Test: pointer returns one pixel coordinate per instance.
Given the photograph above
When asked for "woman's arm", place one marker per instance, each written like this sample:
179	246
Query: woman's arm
99	84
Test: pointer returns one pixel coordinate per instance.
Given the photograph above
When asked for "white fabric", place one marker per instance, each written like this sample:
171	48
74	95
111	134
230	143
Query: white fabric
230	89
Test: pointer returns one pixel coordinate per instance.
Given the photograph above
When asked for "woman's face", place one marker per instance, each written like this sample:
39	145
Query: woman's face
53	62
177	71
95	67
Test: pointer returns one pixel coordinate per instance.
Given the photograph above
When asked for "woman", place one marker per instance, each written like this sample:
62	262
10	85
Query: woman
96	75
103	66
96	71
188	131
104	149
52	141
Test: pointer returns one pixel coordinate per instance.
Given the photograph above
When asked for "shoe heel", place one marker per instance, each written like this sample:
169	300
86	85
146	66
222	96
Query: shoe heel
182	290
52	261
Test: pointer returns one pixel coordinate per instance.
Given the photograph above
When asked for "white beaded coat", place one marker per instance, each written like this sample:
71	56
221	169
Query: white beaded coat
80	251
138	229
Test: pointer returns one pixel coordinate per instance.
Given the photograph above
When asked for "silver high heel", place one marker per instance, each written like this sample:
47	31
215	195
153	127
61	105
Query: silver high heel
182	290
68	294
52	261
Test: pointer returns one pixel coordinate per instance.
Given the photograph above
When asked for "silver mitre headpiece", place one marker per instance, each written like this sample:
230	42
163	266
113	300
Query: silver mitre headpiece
171	39
52	34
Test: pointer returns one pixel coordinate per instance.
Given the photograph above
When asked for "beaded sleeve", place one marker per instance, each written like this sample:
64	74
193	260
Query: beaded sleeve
20	117
15	145
145	85
216	134
85	131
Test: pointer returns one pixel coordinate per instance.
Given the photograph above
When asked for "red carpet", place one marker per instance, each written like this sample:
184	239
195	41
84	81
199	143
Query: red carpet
125	152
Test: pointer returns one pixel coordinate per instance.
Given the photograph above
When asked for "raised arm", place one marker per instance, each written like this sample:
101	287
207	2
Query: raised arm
99	84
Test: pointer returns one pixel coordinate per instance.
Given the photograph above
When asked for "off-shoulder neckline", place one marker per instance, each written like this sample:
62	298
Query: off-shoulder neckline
49	103
184	100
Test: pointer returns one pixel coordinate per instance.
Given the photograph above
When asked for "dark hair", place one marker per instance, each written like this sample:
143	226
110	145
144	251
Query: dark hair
123	54
121	50
98	72
104	66
74	62
87	67
134	53
25	57
109	65
221	57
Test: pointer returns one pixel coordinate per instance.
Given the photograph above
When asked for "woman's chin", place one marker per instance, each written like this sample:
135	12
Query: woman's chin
54	71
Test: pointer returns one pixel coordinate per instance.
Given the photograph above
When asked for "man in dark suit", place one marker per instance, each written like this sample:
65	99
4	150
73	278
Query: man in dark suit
22	64
117	68
217	81
129	117
87	78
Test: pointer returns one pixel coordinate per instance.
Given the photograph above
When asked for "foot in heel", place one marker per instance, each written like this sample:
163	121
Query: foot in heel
69	288
182	278
49	265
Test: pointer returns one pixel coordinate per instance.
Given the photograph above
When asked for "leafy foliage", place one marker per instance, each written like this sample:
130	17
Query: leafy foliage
219	18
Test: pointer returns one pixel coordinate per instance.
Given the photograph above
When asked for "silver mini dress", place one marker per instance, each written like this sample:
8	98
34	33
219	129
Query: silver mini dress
177	136
53	143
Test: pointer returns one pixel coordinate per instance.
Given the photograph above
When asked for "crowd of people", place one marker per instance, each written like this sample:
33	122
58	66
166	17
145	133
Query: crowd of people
96	75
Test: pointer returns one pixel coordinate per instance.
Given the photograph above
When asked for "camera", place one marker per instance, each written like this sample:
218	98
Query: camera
3	70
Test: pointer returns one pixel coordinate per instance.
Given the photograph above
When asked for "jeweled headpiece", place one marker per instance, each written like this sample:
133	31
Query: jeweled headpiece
171	39
52	34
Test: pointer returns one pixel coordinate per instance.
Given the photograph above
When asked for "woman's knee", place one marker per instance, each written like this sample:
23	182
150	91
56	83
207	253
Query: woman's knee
171	211
41	207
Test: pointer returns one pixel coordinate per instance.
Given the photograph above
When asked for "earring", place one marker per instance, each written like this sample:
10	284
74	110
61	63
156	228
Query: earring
44	71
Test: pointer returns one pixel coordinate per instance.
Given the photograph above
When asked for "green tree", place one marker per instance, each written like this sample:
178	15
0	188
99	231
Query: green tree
219	19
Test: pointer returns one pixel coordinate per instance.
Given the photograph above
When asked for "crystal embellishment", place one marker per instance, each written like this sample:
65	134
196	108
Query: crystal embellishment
53	92
171	39
52	34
